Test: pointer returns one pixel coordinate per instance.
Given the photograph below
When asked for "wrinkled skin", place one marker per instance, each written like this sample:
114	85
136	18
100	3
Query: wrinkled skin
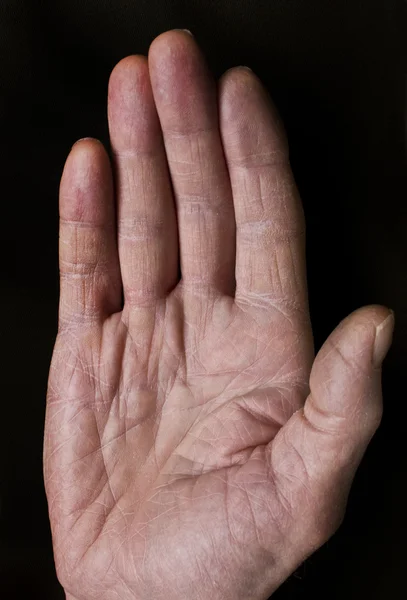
194	448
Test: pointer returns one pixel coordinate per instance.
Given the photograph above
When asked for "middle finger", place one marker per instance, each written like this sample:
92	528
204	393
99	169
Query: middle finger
186	99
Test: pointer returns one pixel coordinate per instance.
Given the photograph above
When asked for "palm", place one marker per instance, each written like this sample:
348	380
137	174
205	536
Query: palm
175	437
159	452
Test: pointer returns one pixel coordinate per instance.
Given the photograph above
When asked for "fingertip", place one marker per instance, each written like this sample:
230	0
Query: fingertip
128	62
86	153
234	86
170	39
133	122
241	94
127	74
86	177
368	329
236	83
175	57
374	313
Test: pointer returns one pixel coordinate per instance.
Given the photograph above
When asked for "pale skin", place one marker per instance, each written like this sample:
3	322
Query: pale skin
195	448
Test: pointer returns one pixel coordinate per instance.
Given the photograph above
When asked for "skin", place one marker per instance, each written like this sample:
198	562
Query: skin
194	446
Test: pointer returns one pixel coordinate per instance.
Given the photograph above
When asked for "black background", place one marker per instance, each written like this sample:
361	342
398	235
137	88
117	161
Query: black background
337	72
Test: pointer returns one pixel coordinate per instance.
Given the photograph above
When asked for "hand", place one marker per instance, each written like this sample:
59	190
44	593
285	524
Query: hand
194	449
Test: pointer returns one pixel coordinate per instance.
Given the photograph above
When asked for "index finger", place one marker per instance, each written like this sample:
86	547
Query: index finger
270	225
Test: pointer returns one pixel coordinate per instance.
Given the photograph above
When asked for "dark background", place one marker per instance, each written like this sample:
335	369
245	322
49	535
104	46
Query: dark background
337	72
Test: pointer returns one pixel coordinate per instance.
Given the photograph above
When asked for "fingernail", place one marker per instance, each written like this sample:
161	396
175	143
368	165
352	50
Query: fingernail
82	140
384	335
185	31
242	67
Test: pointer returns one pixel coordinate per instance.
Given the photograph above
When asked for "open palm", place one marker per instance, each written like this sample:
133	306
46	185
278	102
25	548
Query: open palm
190	451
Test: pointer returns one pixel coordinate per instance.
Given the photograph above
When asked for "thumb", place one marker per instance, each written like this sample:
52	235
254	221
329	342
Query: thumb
314	457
